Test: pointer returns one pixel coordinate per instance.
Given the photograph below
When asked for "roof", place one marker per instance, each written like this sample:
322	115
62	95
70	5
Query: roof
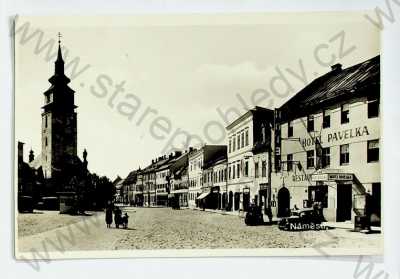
252	111
131	178
339	84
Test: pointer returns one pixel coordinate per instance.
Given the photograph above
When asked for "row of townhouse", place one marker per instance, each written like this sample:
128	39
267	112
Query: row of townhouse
321	146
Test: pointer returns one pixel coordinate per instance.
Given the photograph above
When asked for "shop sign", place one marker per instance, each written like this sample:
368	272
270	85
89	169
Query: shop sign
337	136
319	177
332	177
340	176
301	177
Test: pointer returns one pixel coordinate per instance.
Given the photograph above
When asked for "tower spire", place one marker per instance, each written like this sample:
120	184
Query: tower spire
59	64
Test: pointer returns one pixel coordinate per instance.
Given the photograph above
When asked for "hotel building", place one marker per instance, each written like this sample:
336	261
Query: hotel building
327	141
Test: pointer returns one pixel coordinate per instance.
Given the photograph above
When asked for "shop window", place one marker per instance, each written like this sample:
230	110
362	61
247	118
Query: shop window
290	129
344	115
326	121
289	162
318	193
310	123
373	151
326	157
373	107
310	159
256	170
264	169
344	154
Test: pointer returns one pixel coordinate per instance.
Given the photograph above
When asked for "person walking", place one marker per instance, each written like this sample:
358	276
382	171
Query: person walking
109	216
117	217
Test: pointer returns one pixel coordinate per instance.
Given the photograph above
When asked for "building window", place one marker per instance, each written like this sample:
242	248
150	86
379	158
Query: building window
238	170
326	157
45	121
310	159
310	123
238	141
234	144
263	133
344	115
233	171
246	168
247	137
290	129
264	169
45	141
256	171
229	172
373	107
289	158
373	151
326	119
230	145
344	154
242	140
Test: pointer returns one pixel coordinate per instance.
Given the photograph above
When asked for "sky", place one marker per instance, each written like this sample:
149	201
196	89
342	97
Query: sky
146	80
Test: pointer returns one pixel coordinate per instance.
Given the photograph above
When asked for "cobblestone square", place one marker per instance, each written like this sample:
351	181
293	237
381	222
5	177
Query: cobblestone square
164	228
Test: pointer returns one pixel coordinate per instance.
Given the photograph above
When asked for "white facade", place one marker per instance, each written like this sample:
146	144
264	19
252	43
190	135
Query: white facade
240	160
347	167
195	170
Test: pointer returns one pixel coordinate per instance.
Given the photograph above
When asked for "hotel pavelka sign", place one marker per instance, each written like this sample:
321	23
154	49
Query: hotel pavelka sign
332	177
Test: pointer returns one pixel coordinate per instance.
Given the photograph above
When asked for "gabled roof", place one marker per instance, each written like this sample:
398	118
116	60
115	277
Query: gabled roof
339	84
131	178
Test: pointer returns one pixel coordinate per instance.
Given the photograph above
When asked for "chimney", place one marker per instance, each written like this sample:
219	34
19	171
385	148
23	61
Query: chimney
190	149
152	161
20	152
336	68
178	153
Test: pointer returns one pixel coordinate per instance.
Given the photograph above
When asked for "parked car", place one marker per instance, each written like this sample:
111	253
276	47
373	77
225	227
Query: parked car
25	204
254	216
301	220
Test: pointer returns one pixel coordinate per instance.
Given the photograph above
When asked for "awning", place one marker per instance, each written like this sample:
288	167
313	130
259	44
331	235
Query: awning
202	196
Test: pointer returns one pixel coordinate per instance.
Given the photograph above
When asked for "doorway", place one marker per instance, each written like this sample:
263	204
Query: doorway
344	202
376	205
283	202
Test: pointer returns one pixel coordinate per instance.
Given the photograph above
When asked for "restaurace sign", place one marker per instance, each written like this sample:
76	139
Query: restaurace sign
336	136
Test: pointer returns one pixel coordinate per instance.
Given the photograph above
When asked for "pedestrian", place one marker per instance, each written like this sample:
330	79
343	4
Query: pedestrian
109	216
117	217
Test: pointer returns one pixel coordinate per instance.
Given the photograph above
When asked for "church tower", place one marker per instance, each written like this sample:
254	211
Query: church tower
59	121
